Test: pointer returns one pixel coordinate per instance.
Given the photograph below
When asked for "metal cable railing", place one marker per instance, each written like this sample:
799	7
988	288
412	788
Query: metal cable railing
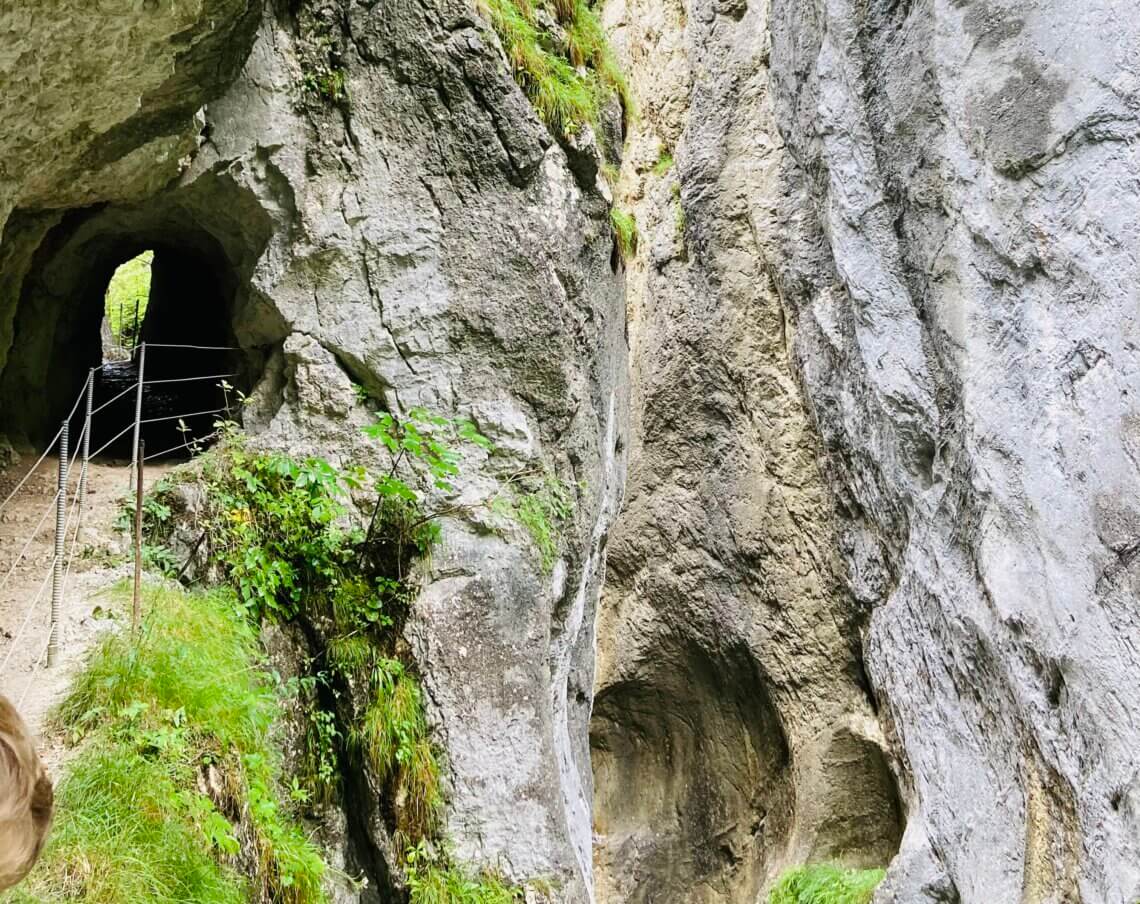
189	379
114	439
32	676
67	503
187	444
32	606
27	545
27	619
179	417
32	469
200	348
132	388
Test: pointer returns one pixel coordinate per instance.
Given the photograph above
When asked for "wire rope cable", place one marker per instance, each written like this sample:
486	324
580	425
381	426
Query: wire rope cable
205	348
188	379
12	647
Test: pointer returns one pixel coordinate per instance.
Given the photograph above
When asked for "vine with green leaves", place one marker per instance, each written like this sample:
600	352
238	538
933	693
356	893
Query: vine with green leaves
285	534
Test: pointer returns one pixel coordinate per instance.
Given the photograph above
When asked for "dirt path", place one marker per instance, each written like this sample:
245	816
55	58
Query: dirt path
98	557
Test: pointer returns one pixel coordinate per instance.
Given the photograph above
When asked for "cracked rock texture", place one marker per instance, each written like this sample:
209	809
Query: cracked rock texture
922	217
418	239
872	588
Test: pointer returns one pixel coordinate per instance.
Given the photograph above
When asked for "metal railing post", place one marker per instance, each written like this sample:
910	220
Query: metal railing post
138	407
82	491
136	605
57	564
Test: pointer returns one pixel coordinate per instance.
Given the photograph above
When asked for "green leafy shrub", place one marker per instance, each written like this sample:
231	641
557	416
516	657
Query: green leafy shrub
271	524
157	717
565	74
826	884
288	541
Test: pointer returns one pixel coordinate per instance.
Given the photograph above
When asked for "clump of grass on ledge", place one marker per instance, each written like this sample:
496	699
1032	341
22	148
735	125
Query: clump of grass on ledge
183	710
432	879
566	76
625	232
826	884
394	737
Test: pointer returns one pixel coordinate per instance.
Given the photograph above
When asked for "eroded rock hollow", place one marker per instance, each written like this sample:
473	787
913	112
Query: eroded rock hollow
851	573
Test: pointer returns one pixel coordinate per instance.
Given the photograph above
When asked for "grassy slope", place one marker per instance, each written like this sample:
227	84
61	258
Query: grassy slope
132	821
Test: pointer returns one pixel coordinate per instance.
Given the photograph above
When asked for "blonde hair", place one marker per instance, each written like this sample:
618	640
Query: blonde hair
26	798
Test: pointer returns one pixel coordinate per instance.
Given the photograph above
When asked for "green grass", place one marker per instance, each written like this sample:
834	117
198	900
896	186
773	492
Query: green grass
394	737
567	80
129	285
826	884
134	821
625	232
664	164
122	834
432	879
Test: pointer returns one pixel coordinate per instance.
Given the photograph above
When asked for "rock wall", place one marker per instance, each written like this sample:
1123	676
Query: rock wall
393	226
934	200
875	573
733	731
967	338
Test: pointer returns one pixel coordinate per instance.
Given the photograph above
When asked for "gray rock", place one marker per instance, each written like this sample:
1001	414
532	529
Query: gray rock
936	198
877	559
961	298
419	240
733	734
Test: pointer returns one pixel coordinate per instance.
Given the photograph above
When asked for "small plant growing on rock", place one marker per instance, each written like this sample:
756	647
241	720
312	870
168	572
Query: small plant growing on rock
625	232
541	504
826	884
434	879
331	84
560	57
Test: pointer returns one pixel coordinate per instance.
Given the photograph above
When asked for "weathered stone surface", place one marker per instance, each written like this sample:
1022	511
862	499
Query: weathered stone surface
880	525
937	199
100	103
733	735
419	240
962	297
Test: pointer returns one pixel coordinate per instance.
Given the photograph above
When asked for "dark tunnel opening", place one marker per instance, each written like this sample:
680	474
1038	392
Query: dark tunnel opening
184	344
187	355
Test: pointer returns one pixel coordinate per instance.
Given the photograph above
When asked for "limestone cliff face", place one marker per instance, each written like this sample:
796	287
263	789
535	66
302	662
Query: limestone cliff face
872	589
967	337
378	205
733	732
915	221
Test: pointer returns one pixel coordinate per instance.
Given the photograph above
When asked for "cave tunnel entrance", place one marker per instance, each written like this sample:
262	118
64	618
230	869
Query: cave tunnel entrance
69	320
